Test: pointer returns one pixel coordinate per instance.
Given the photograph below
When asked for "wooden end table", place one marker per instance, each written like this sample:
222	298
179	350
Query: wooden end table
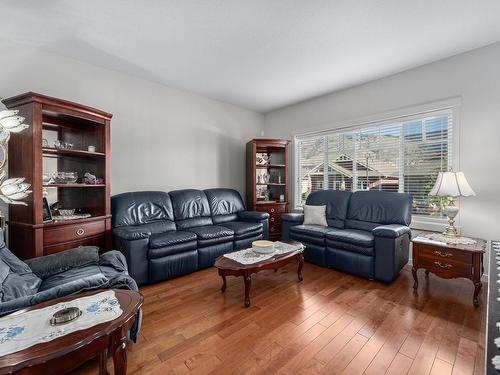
229	267
450	261
66	353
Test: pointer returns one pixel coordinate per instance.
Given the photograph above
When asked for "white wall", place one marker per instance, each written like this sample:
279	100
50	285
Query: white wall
161	138
472	76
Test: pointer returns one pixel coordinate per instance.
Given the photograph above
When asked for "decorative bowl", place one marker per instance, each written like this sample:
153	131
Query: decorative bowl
263	247
65	316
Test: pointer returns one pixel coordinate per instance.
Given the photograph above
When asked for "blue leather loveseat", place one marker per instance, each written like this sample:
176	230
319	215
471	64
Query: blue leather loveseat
164	235
368	232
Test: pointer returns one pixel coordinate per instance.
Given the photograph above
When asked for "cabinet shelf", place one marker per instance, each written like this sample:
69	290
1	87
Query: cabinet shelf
55	152
74	185
269	183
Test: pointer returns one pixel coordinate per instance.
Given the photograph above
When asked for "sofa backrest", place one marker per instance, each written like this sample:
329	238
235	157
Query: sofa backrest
369	209
151	208
191	208
224	204
336	202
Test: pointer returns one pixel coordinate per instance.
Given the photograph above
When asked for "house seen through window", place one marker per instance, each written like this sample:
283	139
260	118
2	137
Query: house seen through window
400	156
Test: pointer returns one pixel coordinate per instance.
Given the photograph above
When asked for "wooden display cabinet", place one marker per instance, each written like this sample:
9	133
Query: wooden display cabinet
56	119
267	180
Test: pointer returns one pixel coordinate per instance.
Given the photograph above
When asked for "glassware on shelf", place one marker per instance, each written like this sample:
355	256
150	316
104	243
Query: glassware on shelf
65	177
66	212
46	178
61	145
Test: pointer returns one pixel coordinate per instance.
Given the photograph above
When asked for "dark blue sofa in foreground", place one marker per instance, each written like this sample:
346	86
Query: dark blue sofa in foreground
368	232
165	235
30	282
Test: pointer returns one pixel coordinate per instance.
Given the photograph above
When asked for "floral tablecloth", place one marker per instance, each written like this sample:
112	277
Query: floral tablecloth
18	332
248	256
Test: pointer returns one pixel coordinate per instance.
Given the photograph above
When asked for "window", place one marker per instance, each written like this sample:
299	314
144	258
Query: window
401	156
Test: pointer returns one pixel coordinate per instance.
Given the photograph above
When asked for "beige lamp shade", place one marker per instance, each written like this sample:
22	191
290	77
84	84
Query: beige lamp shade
452	184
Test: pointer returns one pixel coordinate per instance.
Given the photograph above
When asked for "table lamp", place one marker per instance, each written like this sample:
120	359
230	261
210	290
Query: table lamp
451	185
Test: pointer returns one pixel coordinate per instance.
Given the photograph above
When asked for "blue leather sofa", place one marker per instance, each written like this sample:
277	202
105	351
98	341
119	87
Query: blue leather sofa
164	235
30	282
368	232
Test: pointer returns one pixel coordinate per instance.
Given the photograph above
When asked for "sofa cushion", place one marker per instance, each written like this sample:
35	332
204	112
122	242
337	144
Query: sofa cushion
243	230
369	209
346	246
191	208
170	239
166	244
62	261
336	202
212	234
224	204
18	279
313	234
141	207
353	236
84	278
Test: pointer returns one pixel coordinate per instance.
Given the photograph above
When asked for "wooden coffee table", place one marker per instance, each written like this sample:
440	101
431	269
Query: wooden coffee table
66	353
229	267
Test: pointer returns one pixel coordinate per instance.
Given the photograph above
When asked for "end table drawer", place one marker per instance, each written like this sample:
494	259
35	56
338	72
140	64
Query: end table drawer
72	232
445	267
443	254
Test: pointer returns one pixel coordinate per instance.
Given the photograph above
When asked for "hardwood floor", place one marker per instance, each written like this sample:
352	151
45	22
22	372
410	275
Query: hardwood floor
331	323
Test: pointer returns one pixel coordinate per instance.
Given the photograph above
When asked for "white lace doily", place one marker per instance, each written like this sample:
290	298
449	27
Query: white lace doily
18	332
451	240
248	256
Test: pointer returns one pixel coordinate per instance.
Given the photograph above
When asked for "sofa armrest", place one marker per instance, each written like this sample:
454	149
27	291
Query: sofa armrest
131	233
256	217
253	215
391	231
296	218
115	260
53	264
289	220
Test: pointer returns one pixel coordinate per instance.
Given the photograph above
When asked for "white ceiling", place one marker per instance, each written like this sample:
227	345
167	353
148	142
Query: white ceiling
258	54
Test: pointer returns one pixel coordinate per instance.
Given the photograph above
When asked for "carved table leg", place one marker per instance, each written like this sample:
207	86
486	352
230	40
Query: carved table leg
223	289
301	264
477	289
414	272
120	357
248	284
103	357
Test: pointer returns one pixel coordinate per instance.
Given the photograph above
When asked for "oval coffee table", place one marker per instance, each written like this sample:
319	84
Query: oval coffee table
66	353
229	267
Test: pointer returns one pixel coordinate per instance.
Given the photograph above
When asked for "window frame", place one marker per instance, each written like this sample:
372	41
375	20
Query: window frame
450	106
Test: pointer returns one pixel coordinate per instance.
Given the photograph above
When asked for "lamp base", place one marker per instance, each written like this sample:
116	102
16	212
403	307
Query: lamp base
451	211
450	231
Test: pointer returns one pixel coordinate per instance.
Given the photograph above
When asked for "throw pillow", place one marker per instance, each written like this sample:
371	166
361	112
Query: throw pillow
315	215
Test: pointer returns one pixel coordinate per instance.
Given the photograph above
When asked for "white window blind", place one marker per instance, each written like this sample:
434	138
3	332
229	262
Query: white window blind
401	156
